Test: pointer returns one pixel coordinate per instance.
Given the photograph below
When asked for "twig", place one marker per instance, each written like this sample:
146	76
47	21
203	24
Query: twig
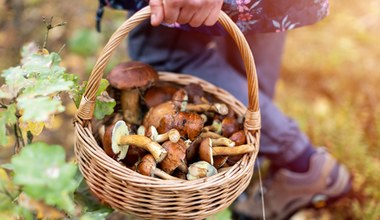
50	26
60	50
19	138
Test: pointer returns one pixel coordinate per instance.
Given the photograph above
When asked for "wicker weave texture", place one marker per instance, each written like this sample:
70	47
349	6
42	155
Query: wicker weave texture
153	198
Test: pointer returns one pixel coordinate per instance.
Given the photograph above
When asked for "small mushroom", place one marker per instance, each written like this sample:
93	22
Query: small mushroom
154	115
229	126
175	157
207	151
239	138
220	108
172	135
200	169
193	150
188	124
121	139
132	78
180	99
195	93
176	104
148	167
215	127
219	161
156	95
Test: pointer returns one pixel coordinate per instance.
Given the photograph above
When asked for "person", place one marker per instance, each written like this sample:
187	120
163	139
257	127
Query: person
301	174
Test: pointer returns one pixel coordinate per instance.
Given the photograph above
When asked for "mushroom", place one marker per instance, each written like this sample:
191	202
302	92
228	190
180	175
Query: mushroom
195	93
180	99
134	155
216	160
172	135
229	126
119	140
200	169
154	115
188	124
207	151
215	127
175	157
156	95
148	167
193	150
132	78
220	108
176	104
239	138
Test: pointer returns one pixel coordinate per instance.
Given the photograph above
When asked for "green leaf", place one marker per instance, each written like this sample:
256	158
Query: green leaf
46	87
102	86
27	51
224	214
15	81
45	175
39	109
104	105
96	215
7	117
44	65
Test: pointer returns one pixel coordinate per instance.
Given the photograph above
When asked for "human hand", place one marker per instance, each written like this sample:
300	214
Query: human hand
192	12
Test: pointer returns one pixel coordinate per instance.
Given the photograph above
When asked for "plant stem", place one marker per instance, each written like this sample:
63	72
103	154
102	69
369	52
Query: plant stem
50	26
20	143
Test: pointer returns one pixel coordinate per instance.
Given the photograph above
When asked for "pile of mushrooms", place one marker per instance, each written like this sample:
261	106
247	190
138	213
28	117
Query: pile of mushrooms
168	131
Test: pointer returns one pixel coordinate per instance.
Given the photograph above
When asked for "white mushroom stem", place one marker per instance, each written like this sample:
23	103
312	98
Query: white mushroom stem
238	150
215	107
160	173
172	135
146	143
216	127
209	134
222	141
131	106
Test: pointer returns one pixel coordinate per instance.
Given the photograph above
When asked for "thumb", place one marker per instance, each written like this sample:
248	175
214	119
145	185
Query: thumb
157	12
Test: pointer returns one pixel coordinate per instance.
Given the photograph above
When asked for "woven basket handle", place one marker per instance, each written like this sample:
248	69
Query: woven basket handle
87	105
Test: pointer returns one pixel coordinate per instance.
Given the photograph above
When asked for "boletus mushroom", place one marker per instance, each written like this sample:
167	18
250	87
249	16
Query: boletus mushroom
239	138
171	135
121	139
177	103
158	94
132	78
175	158
148	167
200	169
207	151
189	124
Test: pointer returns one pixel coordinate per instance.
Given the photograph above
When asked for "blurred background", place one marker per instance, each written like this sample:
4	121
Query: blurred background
329	84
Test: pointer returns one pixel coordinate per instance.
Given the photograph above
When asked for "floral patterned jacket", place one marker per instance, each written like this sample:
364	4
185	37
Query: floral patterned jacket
249	15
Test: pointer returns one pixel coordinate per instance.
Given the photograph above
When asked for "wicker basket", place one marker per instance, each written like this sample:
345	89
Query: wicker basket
152	198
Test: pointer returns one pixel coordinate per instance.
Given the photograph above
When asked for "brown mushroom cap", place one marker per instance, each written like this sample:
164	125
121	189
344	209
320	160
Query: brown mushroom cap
132	74
175	157
205	151
156	95
230	125
188	124
147	165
